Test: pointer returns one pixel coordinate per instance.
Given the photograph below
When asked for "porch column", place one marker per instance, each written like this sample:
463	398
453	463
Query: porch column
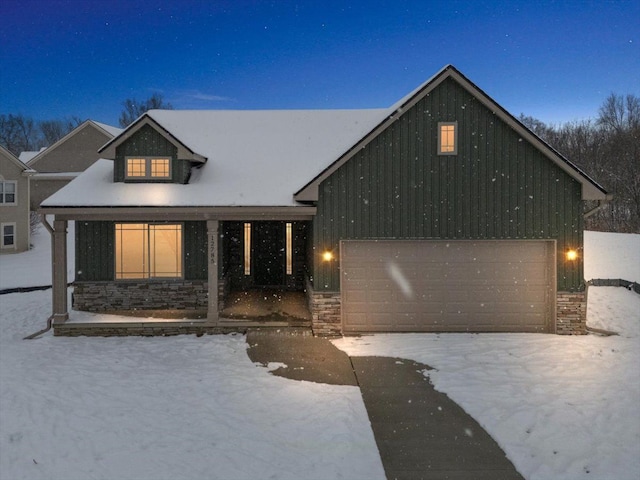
59	271
212	233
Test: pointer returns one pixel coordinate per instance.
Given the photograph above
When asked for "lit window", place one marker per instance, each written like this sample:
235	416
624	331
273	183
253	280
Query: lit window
8	235
147	250
7	193
289	248
160	167
447	138
148	168
136	167
247	249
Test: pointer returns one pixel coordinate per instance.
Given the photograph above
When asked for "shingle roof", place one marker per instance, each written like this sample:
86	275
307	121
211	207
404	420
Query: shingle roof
254	158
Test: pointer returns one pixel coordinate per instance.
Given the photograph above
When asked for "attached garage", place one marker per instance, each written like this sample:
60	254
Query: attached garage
452	286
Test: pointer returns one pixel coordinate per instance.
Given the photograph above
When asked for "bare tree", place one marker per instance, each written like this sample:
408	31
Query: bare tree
620	113
608	150
19	133
134	108
54	130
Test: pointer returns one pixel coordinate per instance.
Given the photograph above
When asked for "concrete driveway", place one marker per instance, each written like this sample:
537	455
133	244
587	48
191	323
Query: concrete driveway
420	433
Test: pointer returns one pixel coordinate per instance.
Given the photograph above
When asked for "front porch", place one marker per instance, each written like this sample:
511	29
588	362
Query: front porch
201	276
242	311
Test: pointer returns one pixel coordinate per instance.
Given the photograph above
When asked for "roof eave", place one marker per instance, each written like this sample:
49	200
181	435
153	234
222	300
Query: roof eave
184	152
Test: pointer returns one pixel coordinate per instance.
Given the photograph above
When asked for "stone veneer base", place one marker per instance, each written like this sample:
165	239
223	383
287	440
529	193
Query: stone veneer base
571	313
326	319
571	307
154	295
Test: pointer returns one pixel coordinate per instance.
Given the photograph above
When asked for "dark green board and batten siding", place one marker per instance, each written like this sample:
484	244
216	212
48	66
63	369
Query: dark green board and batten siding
498	186
147	141
95	246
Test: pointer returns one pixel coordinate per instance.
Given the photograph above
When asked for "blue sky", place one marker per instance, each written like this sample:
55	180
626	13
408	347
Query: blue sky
554	60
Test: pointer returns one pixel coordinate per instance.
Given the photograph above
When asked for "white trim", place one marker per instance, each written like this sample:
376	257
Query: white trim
3	193
15	231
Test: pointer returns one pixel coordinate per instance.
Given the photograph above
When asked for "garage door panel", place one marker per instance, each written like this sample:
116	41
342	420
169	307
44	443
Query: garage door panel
447	286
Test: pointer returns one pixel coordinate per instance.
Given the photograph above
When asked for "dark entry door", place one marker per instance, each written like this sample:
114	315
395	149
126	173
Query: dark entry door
268	253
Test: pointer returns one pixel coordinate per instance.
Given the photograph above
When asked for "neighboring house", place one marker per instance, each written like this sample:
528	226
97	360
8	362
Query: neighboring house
441	213
63	161
14	203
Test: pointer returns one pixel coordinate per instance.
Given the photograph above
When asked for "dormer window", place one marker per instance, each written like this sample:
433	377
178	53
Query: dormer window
148	168
447	138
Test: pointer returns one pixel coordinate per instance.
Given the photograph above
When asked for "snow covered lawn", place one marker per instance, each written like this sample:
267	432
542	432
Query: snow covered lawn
165	408
561	407
192	408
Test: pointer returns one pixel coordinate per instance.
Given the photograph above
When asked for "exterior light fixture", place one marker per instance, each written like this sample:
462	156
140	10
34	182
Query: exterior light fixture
572	255
327	256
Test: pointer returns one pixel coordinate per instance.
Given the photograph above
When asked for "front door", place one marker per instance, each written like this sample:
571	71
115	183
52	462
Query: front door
269	253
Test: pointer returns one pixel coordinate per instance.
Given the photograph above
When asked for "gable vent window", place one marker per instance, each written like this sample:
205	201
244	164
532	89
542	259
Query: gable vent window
447	138
148	168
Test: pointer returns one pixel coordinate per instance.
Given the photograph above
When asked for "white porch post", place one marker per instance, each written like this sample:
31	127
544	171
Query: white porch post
59	271
212	233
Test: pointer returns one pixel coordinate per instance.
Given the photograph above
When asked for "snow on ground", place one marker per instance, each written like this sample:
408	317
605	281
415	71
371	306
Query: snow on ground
165	408
190	408
33	268
612	255
561	407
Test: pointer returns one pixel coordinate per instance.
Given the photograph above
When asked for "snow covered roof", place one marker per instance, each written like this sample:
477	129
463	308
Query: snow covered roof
254	158
113	131
26	156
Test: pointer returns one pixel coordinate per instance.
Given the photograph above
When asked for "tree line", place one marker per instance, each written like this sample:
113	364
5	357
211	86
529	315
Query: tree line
607	149
19	133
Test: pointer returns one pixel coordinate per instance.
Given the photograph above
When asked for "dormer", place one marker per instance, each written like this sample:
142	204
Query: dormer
147	153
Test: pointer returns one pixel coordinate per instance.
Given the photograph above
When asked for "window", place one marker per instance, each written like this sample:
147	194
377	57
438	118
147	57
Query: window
247	249
8	235
148	250
447	138
289	248
142	168
7	193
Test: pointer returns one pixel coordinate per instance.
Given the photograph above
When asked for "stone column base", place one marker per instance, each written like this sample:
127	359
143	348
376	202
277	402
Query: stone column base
571	313
326	319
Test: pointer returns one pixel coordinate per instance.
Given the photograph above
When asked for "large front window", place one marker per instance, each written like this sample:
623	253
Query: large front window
148	250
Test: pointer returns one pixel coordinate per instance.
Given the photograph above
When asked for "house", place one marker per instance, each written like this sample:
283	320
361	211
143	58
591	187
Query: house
63	161
442	213
14	203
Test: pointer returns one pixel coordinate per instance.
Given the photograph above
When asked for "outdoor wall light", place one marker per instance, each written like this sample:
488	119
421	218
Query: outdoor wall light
327	256
572	255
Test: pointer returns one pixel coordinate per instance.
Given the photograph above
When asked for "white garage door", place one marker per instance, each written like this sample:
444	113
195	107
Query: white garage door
448	286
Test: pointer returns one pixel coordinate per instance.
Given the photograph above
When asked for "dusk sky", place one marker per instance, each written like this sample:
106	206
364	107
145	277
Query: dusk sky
554	60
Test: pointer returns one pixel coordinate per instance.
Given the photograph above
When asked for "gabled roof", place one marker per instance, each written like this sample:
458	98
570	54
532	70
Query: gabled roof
13	159
253	158
590	189
108	130
26	156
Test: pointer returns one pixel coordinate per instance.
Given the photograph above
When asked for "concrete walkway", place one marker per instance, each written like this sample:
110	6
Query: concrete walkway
420	433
